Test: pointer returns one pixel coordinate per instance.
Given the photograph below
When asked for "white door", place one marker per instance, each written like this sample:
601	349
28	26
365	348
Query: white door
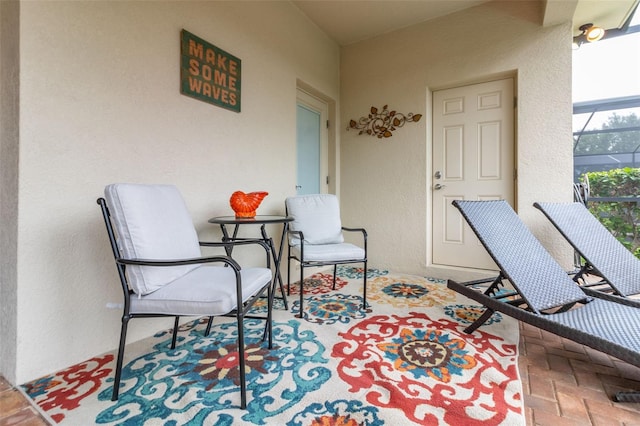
473	159
312	144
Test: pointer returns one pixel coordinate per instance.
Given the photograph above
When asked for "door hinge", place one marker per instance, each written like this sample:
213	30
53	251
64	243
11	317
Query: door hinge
515	102
327	180
327	124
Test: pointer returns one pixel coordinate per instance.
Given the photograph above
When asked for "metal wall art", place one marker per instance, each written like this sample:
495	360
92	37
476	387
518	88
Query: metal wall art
382	123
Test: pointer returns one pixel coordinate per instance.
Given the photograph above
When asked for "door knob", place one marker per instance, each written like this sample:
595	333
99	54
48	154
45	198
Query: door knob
298	186
438	175
437	186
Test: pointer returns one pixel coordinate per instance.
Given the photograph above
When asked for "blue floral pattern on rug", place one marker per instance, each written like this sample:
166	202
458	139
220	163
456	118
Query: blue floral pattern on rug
410	291
330	309
167	383
354	272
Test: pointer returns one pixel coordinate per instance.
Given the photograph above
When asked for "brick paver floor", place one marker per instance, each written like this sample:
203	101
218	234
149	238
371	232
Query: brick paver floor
569	384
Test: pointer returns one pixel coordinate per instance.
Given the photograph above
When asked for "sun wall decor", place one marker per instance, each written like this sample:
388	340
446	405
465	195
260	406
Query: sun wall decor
382	123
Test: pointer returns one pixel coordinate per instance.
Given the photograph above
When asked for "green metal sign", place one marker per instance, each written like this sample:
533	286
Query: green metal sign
208	73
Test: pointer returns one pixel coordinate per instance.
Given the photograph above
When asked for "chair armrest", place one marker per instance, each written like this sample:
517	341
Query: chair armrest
297	234
179	262
230	243
364	234
364	231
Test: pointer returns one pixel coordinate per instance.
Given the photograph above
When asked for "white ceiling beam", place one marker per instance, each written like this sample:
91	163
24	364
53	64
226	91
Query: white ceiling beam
558	11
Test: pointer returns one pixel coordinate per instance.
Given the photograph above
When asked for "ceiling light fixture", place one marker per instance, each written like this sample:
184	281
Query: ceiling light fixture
590	33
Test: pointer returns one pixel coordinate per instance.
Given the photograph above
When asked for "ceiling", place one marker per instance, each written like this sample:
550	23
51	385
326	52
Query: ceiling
607	14
350	21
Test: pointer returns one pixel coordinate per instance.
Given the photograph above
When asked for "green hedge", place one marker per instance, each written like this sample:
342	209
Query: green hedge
621	218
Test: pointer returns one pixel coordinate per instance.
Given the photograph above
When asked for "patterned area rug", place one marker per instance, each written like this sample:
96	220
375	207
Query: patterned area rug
404	361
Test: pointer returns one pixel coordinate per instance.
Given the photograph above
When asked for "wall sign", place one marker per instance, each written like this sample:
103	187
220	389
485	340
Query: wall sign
208	73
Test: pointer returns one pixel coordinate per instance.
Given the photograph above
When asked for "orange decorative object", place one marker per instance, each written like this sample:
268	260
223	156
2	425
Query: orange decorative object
245	205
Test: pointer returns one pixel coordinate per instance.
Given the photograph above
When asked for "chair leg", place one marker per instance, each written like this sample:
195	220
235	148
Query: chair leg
241	362
267	326
270	316
335	271
123	339
288	275
301	289
208	330
364	291
175	332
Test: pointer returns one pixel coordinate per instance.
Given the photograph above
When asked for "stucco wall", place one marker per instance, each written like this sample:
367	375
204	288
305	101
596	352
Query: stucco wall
386	182
100	103
9	131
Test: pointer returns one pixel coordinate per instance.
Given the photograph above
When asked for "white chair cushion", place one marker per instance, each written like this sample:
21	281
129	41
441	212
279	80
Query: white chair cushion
317	216
329	252
206	290
152	222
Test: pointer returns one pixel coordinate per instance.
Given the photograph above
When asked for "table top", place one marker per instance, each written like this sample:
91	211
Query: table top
258	219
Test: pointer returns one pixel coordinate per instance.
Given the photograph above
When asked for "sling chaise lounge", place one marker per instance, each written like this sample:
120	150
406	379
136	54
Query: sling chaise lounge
603	254
542	293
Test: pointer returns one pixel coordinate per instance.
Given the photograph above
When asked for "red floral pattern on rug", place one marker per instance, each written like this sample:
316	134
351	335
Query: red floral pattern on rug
81	380
430	369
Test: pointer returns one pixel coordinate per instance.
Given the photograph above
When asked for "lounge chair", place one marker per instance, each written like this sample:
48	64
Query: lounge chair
603	254
542	293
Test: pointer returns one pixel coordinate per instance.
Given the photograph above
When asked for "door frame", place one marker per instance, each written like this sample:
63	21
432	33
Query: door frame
332	166
429	160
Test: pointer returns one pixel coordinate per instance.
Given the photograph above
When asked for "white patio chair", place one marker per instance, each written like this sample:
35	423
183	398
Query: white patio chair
162	271
316	238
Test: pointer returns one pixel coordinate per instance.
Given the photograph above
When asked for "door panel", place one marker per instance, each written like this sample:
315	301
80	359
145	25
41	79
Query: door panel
308	153
453	153
473	159
312	141
489	151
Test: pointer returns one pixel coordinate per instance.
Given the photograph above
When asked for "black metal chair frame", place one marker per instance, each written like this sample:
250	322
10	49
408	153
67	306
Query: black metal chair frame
312	264
541	293
240	313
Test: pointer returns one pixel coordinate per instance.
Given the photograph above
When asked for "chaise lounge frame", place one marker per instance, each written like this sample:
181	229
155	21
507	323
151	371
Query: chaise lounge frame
543	294
604	256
